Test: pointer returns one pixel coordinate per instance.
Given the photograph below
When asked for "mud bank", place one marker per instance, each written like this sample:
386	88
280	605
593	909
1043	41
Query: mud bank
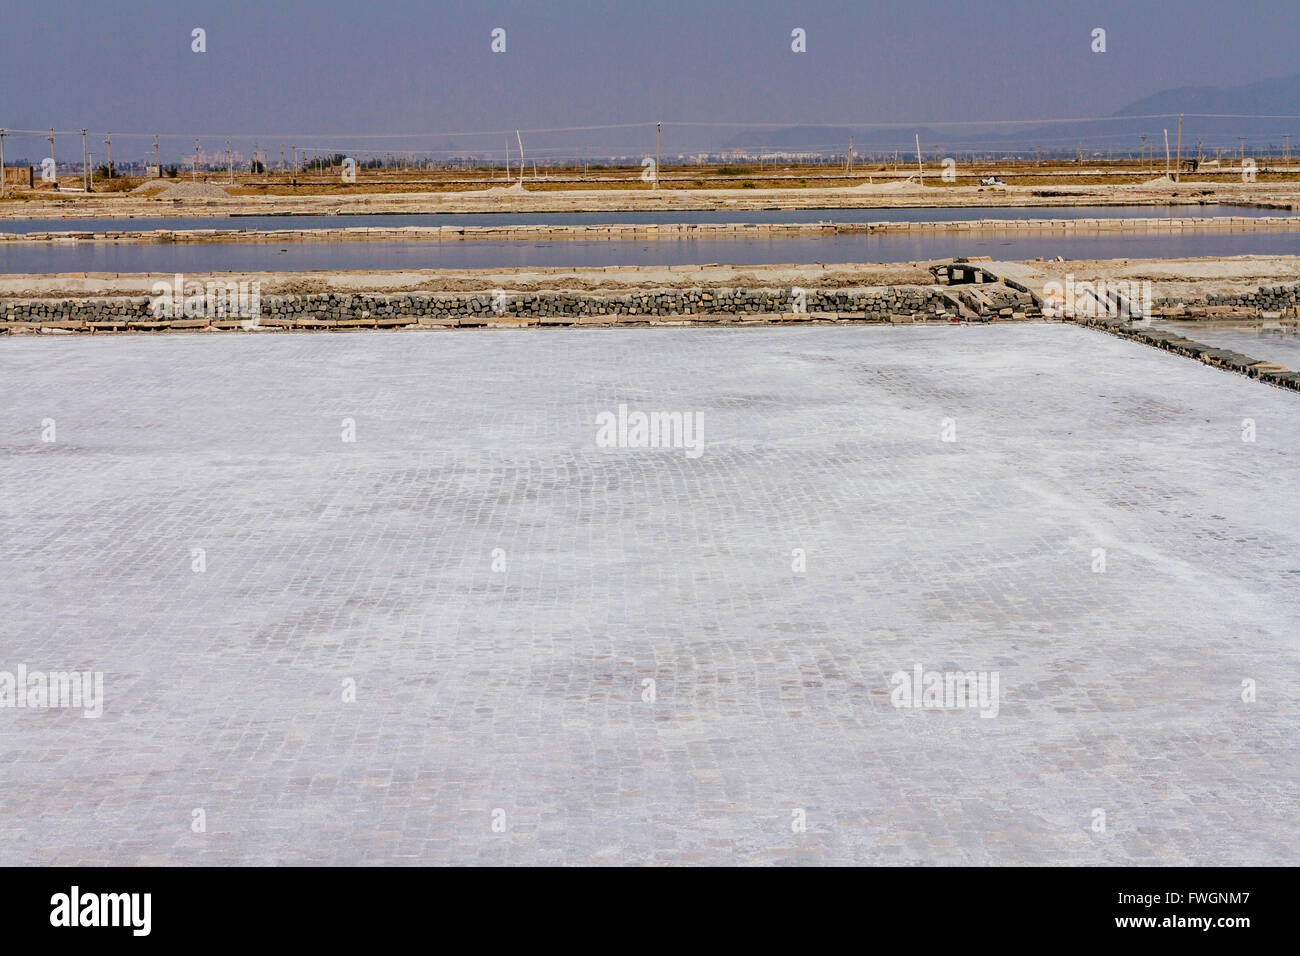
907	194
662	231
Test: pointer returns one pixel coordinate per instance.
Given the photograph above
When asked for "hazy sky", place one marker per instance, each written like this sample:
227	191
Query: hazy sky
309	72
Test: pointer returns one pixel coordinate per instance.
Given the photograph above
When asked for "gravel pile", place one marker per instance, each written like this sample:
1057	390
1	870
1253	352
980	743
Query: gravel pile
183	190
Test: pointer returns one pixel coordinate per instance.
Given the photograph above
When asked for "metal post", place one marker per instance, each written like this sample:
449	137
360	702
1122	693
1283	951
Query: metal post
658	129
85	170
2	162
1178	165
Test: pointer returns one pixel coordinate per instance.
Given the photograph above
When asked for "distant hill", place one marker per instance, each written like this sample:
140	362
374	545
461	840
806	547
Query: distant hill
1267	97
1122	131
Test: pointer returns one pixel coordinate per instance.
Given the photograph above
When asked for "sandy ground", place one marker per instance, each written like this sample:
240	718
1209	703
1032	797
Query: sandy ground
613	279
515	199
1182	278
615	232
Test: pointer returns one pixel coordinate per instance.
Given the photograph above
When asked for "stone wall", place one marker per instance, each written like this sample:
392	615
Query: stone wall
1269	298
324	310
1282	300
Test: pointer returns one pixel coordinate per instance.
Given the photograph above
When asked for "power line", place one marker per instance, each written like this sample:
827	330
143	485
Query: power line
859	124
407	135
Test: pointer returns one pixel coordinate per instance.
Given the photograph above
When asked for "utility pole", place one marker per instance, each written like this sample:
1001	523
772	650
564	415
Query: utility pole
1243	151
156	160
1144	150
1166	154
109	141
194	176
658	129
2	162
1287	149
920	165
848	162
54	169
521	157
85	170
1178	166
230	165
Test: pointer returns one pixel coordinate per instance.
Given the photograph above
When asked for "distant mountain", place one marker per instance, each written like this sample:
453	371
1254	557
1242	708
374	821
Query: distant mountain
1121	132
1267	97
